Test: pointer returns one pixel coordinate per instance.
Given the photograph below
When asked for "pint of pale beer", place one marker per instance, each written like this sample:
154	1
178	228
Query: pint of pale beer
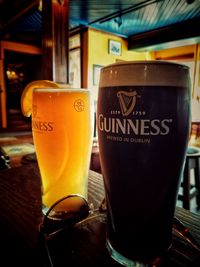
62	131
143	117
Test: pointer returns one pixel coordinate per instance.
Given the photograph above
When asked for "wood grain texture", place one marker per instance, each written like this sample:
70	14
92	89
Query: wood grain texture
84	245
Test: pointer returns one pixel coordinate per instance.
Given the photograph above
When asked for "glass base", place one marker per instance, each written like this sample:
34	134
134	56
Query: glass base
67	208
126	261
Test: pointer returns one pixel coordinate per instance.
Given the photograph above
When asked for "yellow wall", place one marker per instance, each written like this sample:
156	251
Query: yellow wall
189	55
182	52
98	54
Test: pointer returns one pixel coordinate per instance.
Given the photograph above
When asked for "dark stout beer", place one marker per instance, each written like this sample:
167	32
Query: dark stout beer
143	119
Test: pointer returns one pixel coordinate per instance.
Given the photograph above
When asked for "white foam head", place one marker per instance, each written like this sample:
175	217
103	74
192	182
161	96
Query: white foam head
143	73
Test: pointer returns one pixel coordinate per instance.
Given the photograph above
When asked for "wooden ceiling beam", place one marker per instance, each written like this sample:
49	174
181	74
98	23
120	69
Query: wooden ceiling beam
186	33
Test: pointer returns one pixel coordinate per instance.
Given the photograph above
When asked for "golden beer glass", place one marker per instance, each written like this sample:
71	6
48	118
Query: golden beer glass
62	127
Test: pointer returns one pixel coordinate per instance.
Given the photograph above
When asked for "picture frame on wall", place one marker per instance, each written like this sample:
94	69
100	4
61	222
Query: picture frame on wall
114	47
74	41
96	74
75	68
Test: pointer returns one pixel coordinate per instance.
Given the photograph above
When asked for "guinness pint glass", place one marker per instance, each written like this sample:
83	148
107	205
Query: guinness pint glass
143	118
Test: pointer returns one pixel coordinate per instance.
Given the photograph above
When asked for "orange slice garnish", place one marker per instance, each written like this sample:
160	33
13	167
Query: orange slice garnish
26	97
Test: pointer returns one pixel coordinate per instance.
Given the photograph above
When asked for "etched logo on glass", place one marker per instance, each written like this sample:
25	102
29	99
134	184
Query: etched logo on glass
127	101
79	105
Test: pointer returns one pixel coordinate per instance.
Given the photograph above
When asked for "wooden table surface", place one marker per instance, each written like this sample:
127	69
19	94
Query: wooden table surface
20	215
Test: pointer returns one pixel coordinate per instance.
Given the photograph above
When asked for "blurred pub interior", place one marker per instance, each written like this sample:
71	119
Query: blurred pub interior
33	34
68	41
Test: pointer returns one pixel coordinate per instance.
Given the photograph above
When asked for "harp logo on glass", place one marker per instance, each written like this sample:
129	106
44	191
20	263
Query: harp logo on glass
127	101
118	124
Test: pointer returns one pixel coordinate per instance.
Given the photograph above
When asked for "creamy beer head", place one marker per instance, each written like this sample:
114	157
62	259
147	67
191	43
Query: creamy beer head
144	73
